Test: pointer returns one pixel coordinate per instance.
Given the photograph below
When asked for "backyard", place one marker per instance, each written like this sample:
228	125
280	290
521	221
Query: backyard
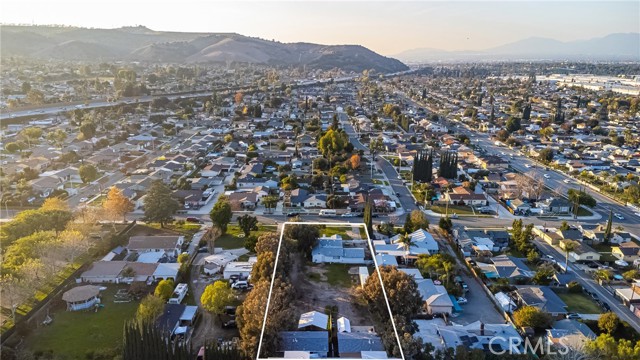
336	230
72	335
579	303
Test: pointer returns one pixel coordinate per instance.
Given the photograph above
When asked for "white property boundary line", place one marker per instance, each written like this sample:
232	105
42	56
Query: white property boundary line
275	267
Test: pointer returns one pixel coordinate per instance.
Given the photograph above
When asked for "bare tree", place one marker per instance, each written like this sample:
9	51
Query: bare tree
14	293
530	185
211	236
74	243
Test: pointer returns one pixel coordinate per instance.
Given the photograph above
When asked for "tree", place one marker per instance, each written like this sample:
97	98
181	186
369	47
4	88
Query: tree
267	243
221	213
531	316
513	124
607	230
608	322
183	258
150	308
367	217
13	147
54	204
87	130
407	242
57	137
247	223
418	221
263	268
306	236
533	257
445	224
250	317
404	300
354	161
159	206
631	275
581	197
605	346
238	97
270	202
543	275
546	133
216	296
564	225
164	289
117	205
88	173
546	155
568	246
32	134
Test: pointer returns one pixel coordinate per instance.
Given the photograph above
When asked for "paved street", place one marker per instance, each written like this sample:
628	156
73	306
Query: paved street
588	283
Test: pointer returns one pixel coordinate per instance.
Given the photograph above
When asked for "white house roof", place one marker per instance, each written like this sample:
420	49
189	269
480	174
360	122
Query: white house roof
166	270
313	318
344	325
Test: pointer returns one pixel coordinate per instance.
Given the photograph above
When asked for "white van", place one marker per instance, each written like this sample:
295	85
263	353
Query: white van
327	212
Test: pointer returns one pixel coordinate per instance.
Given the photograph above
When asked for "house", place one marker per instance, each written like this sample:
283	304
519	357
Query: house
583	252
81	297
170	245
352	344
542	297
315	201
104	272
466	199
495	338
166	271
313	320
298	196
334	250
562	279
247	200
239	268
312	343
628	251
424	243
506	267
435	297
556	206
569	333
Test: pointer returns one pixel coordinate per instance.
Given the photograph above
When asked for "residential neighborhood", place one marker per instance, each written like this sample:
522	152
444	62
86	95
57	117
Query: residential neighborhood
207	196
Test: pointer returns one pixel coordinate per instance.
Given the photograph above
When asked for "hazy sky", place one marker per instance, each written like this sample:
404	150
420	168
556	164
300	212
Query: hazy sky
387	27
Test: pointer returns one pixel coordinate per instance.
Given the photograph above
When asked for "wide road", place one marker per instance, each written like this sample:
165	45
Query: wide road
588	283
558	182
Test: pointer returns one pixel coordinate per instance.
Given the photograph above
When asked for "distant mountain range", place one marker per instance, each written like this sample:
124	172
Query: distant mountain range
611	47
142	44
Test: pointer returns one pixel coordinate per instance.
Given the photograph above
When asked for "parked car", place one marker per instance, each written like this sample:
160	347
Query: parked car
293	214
464	285
566	181
84	199
348	215
194	220
462	300
546	176
573	316
619	216
240	284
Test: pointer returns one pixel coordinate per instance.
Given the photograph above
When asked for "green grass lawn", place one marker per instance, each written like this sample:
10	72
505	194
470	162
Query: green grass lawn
73	334
580	303
313	276
230	240
460	210
584	212
336	230
600	247
338	275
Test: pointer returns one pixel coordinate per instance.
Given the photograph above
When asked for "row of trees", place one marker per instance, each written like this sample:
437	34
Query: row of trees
448	165
423	166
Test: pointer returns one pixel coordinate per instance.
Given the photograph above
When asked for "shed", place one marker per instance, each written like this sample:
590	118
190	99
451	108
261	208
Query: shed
344	325
81	297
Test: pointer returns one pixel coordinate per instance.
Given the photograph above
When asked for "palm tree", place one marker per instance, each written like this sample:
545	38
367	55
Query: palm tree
568	246
447	267
407	242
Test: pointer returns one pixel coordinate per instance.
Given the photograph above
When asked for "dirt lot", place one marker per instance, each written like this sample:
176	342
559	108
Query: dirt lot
316	293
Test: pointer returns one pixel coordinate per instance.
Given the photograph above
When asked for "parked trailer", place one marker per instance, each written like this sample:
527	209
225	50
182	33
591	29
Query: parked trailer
178	294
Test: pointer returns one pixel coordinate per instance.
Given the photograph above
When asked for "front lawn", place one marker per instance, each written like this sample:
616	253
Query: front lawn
580	303
460	210
338	275
336	230
231	239
75	333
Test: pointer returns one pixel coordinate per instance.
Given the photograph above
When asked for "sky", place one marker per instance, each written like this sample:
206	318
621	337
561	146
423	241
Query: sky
387	27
